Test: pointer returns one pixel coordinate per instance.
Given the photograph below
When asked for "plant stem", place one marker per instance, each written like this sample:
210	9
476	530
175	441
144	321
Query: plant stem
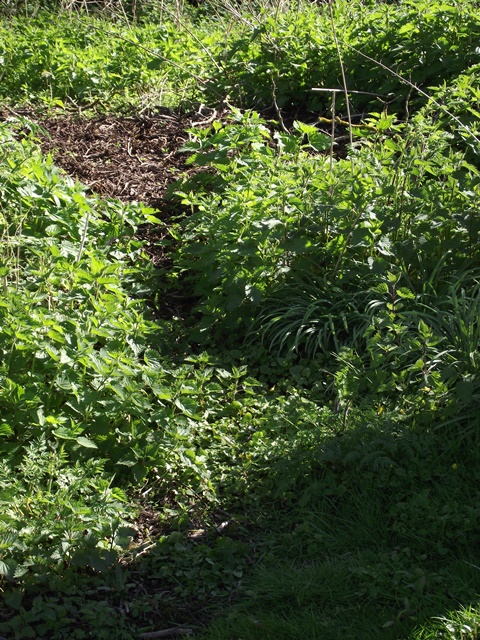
344	79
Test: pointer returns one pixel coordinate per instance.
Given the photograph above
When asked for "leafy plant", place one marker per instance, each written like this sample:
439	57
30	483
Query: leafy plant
306	463
82	389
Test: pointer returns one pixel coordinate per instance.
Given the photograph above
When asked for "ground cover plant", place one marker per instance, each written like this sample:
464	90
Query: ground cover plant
245	405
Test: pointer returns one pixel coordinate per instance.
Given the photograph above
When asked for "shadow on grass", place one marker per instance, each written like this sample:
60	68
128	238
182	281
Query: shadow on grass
364	532
367	534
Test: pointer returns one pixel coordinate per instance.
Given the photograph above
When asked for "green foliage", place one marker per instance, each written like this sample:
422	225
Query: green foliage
320	478
259	57
83	61
279	212
242	235
281	57
463	623
304	317
57	272
81	380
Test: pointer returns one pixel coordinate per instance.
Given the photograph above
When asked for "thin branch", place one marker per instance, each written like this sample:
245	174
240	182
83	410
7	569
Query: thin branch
344	79
363	93
332	141
277	108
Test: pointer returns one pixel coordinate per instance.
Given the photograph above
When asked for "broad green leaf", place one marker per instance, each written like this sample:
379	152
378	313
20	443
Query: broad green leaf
7	568
407	29
13	599
319	141
307	129
403	292
64	433
188	407
85	442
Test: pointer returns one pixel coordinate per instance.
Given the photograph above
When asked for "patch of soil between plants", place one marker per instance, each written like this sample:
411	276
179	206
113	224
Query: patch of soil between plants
130	158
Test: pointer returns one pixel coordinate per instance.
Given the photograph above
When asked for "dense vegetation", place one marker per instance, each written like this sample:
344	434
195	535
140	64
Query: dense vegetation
293	451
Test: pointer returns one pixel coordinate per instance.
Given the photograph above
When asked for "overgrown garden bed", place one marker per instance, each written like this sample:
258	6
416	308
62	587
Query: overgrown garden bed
239	330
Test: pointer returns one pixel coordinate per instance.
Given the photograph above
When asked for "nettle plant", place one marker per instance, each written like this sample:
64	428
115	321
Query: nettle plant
86	60
253	212
291	246
280	52
87	405
70	334
271	207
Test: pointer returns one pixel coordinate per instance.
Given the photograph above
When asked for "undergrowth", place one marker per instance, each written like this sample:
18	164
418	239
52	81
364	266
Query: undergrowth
253	58
299	457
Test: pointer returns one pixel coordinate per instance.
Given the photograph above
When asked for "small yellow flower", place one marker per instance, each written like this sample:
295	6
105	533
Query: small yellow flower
454	466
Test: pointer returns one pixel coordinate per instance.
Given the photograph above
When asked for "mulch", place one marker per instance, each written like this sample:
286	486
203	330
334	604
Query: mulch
128	157
131	158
